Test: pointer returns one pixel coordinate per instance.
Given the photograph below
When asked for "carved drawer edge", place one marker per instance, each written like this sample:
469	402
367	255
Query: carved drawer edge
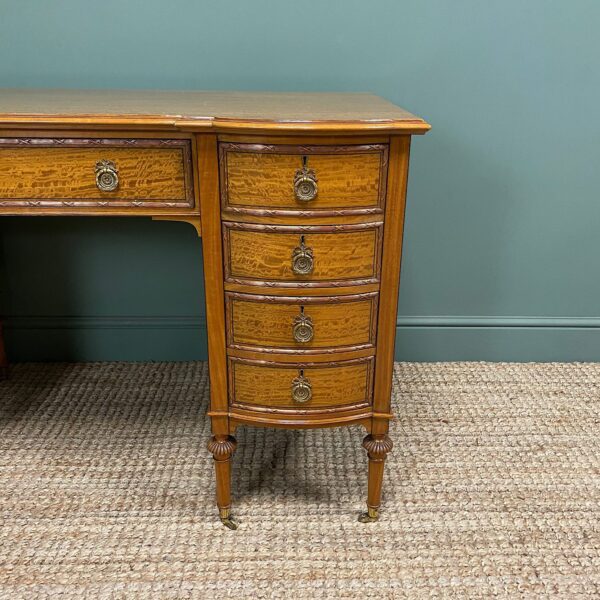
301	149
322	410
184	144
299	284
308	300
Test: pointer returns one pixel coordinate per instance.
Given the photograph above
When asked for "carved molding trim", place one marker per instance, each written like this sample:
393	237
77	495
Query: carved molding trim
95	142
378	446
301	148
267	228
302	364
301	284
324	410
259	298
222	446
82	203
271	212
302	351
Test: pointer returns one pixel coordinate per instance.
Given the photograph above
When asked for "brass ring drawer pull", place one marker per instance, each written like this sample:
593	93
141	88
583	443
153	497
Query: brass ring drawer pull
302	259
107	176
305	183
301	389
303	329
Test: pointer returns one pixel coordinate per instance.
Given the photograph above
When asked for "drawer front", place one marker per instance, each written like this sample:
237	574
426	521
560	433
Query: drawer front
278	179
303	324
96	172
306	387
302	256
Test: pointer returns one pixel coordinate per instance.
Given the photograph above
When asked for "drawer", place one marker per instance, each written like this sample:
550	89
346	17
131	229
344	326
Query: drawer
270	255
304	387
264	179
51	172
301	324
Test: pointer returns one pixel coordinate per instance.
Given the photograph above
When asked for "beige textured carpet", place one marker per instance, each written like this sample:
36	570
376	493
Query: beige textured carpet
493	489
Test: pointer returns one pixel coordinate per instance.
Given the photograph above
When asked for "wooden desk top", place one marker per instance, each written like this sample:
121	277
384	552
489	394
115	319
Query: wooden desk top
199	110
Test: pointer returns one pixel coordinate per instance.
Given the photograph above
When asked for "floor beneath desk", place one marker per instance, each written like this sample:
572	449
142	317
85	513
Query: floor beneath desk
106	489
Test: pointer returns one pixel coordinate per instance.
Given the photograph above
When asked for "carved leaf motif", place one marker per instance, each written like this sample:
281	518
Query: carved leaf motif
302	149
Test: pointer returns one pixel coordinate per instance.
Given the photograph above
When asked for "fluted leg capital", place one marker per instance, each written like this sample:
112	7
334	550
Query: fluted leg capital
378	446
222	446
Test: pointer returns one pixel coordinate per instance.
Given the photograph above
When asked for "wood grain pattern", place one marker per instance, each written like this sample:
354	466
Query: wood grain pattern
339	323
269	385
258	178
205	110
208	168
61	172
391	261
264	254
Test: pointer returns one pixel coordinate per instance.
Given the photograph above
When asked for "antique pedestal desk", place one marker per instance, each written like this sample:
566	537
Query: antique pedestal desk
299	199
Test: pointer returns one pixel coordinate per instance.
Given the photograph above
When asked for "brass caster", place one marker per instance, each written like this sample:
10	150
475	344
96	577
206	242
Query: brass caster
370	516
225	516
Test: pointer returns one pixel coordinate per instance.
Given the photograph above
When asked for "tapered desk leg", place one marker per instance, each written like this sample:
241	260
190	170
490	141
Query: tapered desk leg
377	443
377	446
222	445
222	448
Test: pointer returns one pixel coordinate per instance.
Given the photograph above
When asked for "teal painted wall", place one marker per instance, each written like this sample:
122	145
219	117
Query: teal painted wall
502	248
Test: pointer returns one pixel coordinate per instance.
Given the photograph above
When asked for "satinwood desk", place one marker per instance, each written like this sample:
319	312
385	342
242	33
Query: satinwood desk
299	199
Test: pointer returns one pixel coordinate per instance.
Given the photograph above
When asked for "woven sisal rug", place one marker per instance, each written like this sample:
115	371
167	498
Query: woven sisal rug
492	490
